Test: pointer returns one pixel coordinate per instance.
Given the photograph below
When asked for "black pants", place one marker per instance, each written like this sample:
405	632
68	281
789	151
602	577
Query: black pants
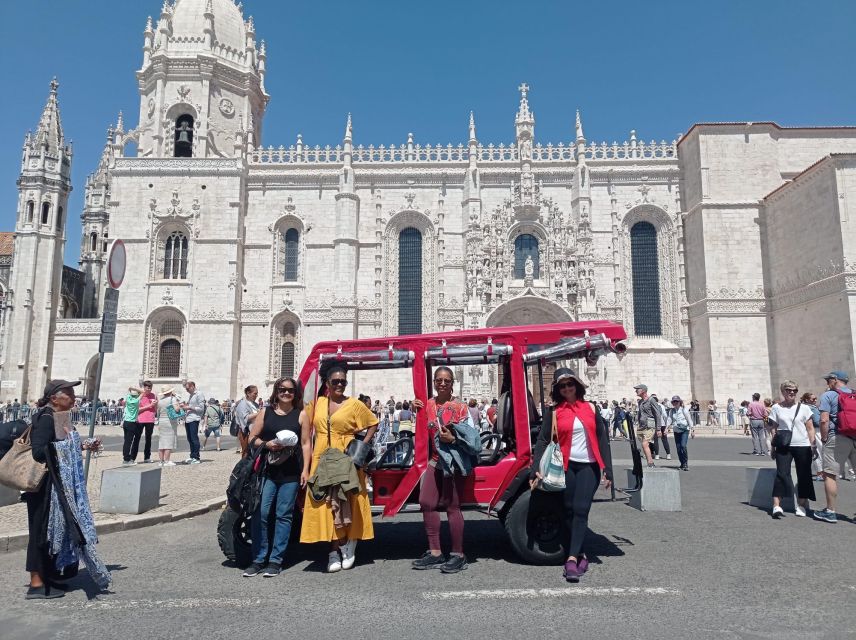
38	505
783	485
581	482
147	428
655	448
131	445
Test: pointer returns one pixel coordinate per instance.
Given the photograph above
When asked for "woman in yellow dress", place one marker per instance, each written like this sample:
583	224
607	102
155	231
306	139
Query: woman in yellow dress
348	416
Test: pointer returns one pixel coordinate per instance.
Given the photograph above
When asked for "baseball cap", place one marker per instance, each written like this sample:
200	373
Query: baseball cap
676	398
644	387
55	386
838	375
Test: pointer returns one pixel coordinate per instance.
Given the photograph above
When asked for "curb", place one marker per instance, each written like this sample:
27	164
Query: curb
17	540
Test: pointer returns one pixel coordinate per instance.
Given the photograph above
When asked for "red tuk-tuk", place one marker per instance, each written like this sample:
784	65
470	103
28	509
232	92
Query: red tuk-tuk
500	480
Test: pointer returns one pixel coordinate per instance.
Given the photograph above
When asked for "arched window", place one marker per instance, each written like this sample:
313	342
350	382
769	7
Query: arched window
169	358
165	340
525	246
184	137
291	239
286	351
46	212
409	281
93	241
646	279
59	220
175	257
31	207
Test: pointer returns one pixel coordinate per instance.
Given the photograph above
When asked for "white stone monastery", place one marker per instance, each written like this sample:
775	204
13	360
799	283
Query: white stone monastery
729	255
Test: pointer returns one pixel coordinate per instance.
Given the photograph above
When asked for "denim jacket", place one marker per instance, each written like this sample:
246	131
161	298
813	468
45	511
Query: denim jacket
461	455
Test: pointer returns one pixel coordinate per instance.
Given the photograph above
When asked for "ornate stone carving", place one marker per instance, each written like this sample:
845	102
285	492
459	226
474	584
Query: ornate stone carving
227	107
75	327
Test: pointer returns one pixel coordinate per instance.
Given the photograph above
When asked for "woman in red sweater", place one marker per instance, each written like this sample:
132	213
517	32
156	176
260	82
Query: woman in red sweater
583	437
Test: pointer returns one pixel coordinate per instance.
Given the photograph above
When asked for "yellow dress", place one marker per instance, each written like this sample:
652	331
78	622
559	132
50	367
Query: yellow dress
351	417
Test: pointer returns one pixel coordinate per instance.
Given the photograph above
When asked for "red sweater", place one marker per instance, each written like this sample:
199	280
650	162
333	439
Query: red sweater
565	415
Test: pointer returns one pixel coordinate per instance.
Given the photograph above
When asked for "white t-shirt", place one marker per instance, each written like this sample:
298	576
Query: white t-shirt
784	418
579	444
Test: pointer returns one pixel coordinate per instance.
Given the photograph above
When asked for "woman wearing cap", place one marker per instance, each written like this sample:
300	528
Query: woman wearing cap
337	418
283	429
681	421
58	396
583	437
168	407
793	439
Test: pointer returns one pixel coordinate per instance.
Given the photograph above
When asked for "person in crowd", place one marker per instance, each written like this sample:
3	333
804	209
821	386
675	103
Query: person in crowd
793	440
743	414
757	413
583	437
838	448
406	418
695	412
245	410
214	419
171	414
377	409
131	427
195	408
491	414
809	399
681	422
336	419
44	578
283	429
661	431
768	428
366	400
730	408
146	418
442	485
606	412
618	417
712	417
473	410
649	421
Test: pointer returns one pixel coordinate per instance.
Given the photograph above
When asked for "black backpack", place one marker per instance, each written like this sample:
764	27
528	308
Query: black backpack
9	432
244	490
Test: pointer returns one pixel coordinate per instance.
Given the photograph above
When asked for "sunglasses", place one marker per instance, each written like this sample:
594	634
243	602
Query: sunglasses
288	390
339	382
566	385
790	390
442	382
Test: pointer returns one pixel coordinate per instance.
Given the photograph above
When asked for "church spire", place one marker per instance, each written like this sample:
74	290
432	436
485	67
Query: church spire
50	127
579	128
472	129
524	123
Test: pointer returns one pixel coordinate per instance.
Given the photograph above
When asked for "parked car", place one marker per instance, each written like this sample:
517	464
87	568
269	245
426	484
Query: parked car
522	356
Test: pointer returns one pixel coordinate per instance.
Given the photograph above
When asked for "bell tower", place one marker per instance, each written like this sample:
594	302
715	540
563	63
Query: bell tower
201	85
34	285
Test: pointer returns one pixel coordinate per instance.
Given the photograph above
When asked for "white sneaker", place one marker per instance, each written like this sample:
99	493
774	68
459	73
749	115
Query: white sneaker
799	512
668	456
348	554
195	461
778	512
657	457
334	562
170	463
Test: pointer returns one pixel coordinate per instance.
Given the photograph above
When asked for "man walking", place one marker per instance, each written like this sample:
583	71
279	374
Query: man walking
131	427
244	412
649	421
837	408
195	408
757	418
146	418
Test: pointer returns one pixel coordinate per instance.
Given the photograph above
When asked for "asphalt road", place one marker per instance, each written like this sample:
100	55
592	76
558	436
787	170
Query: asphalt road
718	569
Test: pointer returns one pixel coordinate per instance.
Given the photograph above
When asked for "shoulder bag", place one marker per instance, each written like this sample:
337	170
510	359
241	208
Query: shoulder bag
552	464
782	439
18	469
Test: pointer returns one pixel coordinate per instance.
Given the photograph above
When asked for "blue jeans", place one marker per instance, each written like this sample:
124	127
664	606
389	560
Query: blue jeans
279	496
681	438
192	431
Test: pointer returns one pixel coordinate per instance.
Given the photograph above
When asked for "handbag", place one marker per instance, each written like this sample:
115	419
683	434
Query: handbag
552	464
18	469
782	439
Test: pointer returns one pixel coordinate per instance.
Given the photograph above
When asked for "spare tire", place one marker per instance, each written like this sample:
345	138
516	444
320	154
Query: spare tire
536	529
234	538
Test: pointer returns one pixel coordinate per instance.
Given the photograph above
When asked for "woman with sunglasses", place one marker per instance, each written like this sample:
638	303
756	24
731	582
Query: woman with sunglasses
583	437
440	489
337	418
283	472
793	439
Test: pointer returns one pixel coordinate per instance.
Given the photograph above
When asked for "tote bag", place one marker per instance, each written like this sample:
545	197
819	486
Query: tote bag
18	469
552	464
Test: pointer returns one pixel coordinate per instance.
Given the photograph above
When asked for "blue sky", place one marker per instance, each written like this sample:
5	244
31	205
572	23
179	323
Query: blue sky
401	66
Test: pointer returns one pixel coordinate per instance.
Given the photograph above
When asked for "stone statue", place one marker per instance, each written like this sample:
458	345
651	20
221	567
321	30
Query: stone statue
529	267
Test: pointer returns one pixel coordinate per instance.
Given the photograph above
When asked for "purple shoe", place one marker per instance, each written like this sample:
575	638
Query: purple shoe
572	571
583	564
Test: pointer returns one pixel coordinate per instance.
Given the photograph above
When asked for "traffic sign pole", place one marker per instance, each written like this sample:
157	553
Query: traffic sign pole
94	413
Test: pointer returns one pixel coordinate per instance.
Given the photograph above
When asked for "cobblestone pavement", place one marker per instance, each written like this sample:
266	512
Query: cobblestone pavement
182	486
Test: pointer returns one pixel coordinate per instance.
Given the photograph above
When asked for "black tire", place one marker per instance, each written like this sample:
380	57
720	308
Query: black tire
536	530
233	536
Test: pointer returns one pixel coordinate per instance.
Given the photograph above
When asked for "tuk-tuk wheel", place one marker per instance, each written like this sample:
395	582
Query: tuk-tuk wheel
535	528
234	538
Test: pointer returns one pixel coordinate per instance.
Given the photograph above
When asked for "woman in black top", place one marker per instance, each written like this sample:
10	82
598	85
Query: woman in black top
58	396
283	472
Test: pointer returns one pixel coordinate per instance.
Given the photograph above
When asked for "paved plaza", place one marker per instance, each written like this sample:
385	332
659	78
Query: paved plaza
718	569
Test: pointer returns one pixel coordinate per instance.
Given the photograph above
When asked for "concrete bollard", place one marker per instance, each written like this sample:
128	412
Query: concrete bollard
130	489
661	490
9	496
759	487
